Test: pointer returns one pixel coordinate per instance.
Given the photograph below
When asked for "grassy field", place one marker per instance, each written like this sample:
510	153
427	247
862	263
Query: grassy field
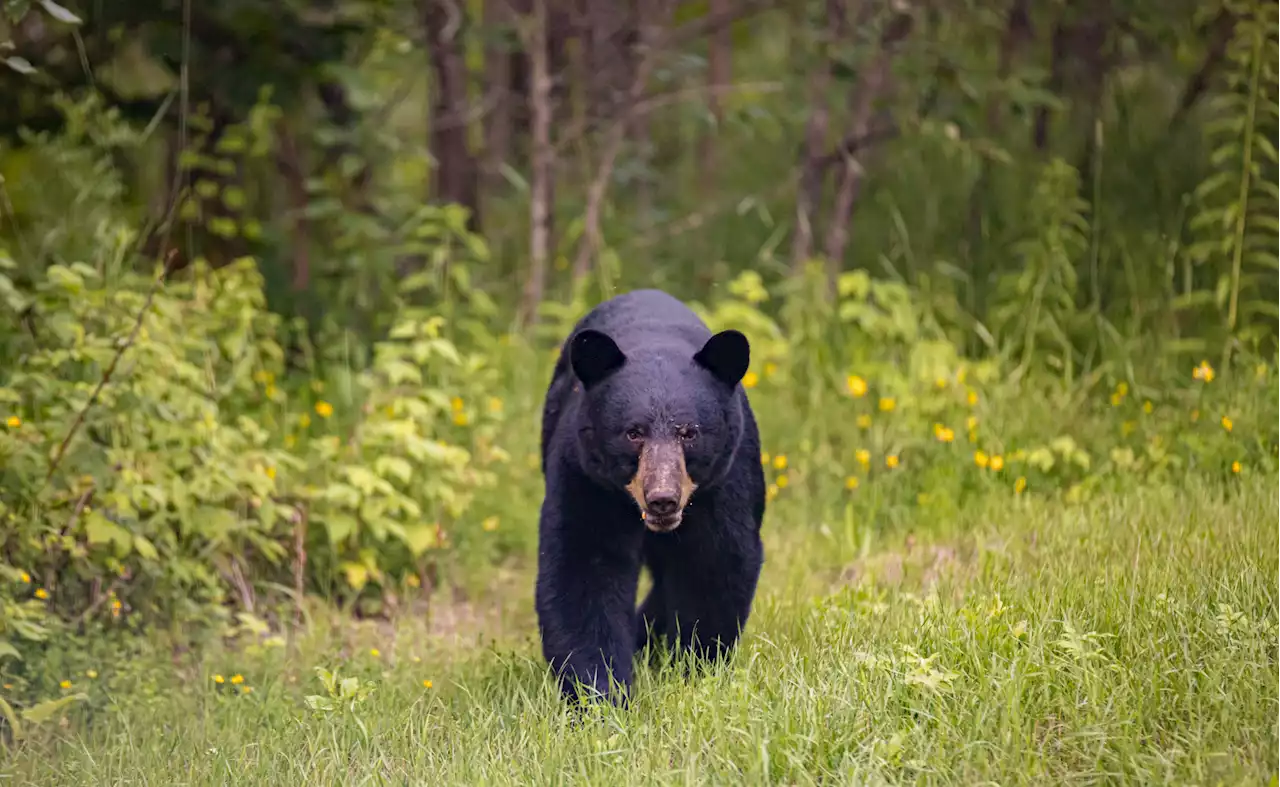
1130	639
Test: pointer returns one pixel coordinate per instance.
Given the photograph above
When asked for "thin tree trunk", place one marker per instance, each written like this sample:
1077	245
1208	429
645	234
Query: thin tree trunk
295	181
719	73
590	243
535	38
455	172
869	90
497	78
815	140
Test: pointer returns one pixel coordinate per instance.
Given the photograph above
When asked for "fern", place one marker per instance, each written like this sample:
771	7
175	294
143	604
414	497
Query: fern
1235	224
1036	305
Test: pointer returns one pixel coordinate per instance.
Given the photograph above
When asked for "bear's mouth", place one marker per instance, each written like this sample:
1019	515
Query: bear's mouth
662	523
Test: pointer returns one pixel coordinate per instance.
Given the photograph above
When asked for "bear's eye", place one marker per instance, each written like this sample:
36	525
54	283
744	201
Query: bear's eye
634	434
687	432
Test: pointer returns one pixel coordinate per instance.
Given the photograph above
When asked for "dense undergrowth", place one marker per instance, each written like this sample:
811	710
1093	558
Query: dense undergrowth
186	472
1129	637
215	475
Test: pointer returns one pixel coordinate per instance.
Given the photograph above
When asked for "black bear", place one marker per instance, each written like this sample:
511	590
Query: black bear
651	455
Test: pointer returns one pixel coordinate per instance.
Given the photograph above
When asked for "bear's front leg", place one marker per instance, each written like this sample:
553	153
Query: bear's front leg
585	600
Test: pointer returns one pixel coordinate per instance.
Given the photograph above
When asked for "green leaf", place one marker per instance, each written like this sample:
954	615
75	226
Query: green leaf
145	548
6	649
394	466
420	538
357	574
6	710
20	64
58	12
339	527
101	530
38	714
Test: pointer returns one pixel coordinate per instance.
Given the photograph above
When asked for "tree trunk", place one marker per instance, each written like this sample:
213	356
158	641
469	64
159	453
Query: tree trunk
590	243
535	42
870	88
809	192
455	173
498	99
719	73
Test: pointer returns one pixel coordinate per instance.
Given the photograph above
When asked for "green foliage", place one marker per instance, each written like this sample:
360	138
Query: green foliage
1130	638
1237	204
329	401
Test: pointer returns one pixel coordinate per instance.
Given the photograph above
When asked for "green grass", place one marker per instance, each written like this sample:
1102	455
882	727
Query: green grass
1129	639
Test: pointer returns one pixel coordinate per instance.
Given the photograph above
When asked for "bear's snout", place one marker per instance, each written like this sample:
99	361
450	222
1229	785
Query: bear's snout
661	486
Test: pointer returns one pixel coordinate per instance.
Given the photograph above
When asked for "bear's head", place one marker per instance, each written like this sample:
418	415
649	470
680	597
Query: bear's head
659	422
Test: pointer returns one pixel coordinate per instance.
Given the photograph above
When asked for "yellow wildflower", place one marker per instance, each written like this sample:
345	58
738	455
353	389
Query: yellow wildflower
1116	398
460	418
887	403
782	481
42	594
375	653
246	689
1203	372
863	456
1226	423
489	524
981	459
426	684
750	379
851	482
771	492
14	422
219	679
271	391
1122	388
91	674
770	369
270	472
764	457
66	684
304	420
856	385
943	434
26	578
324	409
1147	407
780	461
412	580
456	403
940	383
1235	467
864	421
1020	485
237	679
972	398
891	461
997	463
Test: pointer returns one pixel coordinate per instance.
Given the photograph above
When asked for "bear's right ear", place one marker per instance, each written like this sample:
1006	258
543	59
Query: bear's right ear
594	356
726	355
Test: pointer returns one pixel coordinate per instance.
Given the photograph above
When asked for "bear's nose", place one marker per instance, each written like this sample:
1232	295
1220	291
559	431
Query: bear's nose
663	504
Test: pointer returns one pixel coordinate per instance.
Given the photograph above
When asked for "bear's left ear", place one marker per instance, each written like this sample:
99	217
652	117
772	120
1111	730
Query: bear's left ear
726	355
594	356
